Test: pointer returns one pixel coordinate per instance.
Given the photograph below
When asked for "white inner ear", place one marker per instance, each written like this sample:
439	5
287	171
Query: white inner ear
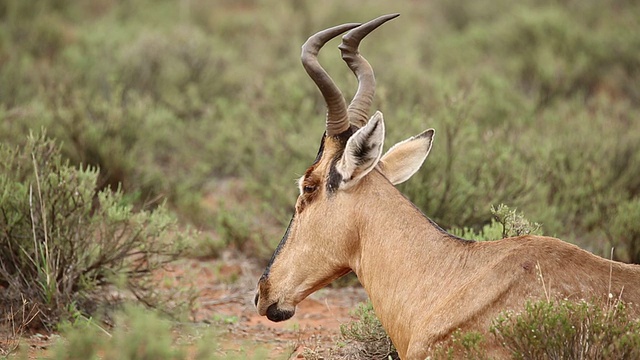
362	151
406	157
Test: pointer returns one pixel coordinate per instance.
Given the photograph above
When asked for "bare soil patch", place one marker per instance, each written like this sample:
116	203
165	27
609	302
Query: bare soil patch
226	287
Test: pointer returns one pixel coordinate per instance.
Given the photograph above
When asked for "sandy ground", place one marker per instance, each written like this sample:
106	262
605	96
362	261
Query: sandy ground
315	326
226	289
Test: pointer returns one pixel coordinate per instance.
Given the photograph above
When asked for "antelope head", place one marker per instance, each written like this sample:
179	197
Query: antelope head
323	238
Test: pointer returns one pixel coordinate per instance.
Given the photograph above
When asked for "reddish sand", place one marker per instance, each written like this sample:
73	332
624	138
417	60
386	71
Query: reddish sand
316	324
226	289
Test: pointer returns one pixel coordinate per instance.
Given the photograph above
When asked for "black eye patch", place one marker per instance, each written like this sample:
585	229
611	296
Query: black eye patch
335	178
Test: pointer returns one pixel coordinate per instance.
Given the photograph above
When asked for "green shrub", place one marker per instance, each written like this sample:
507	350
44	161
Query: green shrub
491	231
62	242
625	231
367	336
514	223
469	345
566	329
533	101
559	329
505	223
141	334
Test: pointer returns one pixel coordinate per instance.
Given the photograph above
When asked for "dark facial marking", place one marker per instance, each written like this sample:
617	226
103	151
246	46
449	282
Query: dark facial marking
278	248
320	151
334	179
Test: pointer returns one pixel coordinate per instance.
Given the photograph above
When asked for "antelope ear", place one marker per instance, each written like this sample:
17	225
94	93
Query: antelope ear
406	157
362	151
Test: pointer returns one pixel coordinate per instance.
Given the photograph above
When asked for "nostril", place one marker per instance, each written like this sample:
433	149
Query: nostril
255	299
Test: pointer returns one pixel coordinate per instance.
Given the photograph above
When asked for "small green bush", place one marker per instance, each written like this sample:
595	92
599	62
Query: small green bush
469	345
514	223
559	329
504	223
566	329
625	231
367	336
141	334
61	242
138	334
491	231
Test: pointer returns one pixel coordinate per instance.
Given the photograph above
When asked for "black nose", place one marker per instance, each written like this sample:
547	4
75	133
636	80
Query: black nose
255	299
276	315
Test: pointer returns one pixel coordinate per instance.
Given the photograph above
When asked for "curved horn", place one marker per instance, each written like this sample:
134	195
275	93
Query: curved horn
358	111
337	120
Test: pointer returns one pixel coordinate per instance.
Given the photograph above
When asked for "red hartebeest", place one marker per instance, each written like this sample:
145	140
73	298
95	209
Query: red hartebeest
423	282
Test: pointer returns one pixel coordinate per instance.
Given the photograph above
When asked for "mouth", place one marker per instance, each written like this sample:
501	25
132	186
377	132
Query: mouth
273	311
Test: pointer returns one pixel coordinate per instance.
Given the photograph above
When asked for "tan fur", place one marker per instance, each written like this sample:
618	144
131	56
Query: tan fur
406	157
423	283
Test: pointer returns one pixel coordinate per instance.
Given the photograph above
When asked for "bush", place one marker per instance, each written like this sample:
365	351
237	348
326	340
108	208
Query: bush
366	335
565	329
504	223
533	102
62	242
469	345
138	335
142	334
625	231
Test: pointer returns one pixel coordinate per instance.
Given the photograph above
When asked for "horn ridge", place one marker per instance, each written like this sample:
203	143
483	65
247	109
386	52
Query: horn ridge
358	109
337	119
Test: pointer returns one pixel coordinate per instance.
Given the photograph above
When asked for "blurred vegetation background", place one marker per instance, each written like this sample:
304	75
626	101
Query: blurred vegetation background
204	104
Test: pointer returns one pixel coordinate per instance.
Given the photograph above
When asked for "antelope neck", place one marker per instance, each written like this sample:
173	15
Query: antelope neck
404	258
